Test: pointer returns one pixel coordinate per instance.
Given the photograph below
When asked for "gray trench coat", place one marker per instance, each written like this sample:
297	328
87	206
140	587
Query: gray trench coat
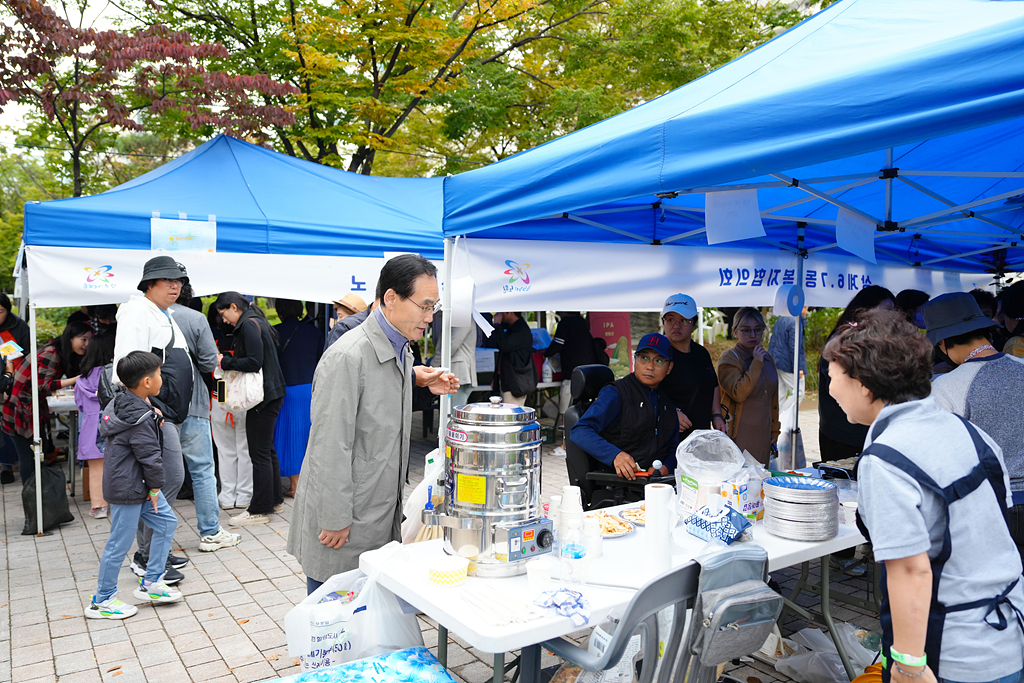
358	452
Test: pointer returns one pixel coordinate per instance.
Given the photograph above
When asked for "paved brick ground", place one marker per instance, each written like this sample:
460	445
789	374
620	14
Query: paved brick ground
230	626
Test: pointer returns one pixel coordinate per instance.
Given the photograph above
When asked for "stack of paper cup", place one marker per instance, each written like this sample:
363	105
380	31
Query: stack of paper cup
659	501
592	533
570	508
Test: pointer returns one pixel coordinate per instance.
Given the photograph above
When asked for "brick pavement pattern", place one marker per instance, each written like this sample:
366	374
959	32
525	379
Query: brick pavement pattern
229	628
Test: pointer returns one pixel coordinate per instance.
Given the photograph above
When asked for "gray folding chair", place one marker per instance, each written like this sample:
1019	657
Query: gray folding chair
675	588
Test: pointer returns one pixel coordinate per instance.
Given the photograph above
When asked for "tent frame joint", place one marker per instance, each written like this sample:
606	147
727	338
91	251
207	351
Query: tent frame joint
889	173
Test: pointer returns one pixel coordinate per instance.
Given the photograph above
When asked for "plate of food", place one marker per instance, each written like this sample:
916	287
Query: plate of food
635	516
612	526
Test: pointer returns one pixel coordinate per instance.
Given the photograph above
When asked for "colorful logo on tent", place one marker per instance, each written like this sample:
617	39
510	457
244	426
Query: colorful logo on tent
517	271
101	274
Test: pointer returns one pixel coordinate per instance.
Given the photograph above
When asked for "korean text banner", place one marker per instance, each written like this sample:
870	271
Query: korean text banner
61	276
590	276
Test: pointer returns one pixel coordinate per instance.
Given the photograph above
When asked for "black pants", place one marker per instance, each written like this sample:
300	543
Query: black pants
266	470
836	450
26	458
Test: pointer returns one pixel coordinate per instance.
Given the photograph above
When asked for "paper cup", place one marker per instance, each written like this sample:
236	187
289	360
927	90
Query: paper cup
849	510
538	575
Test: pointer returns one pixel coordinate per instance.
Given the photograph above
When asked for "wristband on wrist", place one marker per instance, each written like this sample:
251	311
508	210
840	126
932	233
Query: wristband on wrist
154	493
714	415
908	660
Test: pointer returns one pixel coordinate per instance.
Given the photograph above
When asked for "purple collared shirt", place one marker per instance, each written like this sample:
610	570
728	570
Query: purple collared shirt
397	339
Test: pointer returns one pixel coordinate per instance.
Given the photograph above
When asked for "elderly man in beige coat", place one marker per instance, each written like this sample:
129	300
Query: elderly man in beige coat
349	498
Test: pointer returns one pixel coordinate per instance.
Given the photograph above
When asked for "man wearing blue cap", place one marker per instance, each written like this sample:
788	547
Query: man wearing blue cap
633	423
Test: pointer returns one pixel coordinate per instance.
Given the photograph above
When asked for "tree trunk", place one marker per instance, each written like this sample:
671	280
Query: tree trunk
76	170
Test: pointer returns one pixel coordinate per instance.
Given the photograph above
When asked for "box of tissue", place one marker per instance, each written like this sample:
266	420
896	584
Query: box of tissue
414	665
726	525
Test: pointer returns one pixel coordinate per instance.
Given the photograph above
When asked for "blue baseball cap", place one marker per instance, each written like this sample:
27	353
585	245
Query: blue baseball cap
658	342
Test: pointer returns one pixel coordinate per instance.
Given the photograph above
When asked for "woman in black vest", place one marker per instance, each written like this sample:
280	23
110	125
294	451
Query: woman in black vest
932	498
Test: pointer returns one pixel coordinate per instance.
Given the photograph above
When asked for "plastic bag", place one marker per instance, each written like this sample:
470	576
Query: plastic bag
816	659
349	617
791	446
317	628
242	390
418	498
704	460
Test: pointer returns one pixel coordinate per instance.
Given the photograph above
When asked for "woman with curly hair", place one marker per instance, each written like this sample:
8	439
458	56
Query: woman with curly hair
933	492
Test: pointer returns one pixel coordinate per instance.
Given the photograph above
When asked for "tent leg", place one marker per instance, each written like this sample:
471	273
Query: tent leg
446	339
37	448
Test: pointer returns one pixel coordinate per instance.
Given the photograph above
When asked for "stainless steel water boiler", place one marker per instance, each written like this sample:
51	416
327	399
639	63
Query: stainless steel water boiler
492	513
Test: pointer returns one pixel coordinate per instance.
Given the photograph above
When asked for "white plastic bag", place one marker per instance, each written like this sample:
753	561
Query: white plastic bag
816	659
242	390
323	634
418	498
704	460
318	631
791	446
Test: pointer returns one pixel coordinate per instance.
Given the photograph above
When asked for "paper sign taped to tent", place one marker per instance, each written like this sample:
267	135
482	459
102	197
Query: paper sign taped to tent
168	234
856	235
731	216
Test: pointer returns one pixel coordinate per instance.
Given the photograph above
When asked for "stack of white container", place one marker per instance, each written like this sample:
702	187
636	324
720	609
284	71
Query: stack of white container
801	508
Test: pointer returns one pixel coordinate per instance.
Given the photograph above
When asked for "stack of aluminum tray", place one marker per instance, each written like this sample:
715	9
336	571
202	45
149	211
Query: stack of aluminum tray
801	508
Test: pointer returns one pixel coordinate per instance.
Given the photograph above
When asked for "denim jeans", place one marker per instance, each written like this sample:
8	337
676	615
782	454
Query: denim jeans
1012	678
197	451
124	520
312	585
174	474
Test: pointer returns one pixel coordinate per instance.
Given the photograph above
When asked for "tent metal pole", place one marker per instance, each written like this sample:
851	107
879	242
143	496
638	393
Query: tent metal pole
804	200
797	183
800	230
37	448
962	207
700	326
966	174
888	187
446	339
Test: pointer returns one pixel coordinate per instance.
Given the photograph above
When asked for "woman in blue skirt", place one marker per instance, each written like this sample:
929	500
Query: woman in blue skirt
301	345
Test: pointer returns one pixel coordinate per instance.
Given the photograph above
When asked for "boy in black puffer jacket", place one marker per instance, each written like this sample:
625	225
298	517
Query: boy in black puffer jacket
132	476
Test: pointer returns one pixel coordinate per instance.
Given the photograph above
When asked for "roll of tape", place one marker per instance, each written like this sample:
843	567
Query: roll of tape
448	571
789	300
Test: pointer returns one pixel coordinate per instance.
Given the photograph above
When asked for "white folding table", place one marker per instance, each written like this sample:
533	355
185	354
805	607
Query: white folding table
613	580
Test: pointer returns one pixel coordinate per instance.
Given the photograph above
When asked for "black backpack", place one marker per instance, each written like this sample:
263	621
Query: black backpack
176	393
56	510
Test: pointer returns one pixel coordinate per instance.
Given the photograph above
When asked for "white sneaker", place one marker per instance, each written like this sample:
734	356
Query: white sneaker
157	592
111	608
221	539
279	508
247	519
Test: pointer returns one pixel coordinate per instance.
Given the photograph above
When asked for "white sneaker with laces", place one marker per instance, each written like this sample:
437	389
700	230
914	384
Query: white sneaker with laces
247	519
157	592
221	539
111	608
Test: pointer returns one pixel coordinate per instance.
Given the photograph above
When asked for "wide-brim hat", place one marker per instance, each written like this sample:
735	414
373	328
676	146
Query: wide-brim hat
163	268
352	303
949	315
682	304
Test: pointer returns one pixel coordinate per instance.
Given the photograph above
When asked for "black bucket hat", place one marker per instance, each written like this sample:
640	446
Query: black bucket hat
949	315
163	267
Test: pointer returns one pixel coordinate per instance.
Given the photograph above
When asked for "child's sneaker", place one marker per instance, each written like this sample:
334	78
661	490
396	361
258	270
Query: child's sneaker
100	512
157	592
111	608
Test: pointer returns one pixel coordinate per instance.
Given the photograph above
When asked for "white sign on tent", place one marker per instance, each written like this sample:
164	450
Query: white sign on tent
591	276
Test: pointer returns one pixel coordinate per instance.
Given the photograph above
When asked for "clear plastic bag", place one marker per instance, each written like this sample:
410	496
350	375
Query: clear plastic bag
816	659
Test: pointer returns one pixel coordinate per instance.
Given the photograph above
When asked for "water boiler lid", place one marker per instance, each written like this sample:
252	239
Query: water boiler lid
493	412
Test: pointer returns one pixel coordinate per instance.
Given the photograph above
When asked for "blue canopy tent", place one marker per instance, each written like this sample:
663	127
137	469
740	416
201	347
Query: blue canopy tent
239	217
900	122
253	220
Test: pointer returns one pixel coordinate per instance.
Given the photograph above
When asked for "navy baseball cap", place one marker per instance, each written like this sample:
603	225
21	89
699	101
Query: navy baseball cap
658	342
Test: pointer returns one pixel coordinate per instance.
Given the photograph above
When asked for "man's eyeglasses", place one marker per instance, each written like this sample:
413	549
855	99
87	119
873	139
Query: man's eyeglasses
680	321
429	307
659	361
755	331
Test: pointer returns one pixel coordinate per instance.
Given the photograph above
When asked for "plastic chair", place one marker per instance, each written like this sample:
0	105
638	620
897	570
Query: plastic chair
675	588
